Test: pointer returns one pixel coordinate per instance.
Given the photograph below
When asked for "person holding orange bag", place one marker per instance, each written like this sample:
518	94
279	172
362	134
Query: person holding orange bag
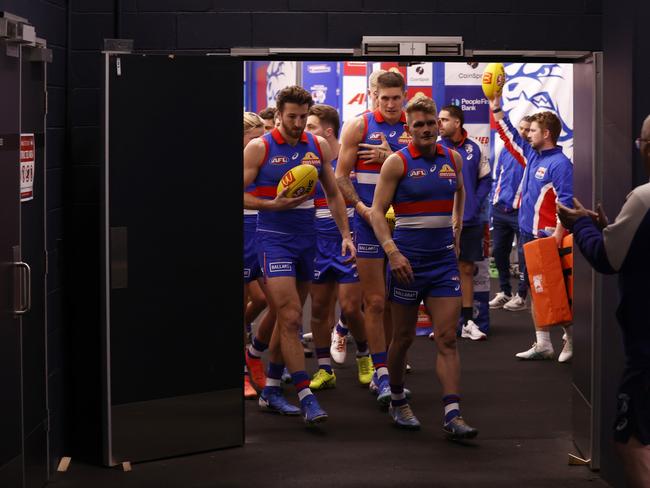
548	178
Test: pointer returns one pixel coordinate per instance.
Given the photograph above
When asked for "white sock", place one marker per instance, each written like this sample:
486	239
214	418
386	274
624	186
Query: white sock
324	361
544	339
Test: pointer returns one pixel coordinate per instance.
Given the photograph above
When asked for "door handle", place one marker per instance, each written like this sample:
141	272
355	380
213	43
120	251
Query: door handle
24	288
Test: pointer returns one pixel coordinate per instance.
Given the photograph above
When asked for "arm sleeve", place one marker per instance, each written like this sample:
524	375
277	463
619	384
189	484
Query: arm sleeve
618	236
592	245
513	142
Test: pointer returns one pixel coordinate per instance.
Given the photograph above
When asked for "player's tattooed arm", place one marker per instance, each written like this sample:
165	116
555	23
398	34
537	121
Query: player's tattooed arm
351	136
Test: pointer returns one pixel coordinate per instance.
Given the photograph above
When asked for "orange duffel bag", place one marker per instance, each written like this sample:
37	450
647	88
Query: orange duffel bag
566	257
547	287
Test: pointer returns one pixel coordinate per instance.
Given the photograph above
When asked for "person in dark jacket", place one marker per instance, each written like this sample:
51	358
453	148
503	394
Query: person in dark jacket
623	247
478	181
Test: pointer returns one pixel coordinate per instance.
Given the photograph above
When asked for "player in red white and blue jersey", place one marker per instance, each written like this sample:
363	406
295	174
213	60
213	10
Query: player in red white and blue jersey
548	179
362	151
286	240
424	183
333	276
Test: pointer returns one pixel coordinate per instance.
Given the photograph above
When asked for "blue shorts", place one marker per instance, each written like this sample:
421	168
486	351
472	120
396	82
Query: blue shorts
434	276
365	240
329	265
252	269
471	244
286	255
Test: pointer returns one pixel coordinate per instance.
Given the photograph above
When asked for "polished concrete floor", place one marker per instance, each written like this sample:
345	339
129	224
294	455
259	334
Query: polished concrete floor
521	408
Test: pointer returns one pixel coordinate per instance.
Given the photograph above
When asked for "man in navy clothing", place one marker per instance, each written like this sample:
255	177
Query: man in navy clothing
478	180
623	248
508	174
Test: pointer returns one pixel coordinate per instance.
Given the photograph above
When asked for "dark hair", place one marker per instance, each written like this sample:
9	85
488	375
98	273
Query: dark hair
327	114
550	121
293	94
390	79
527	118
268	113
456	112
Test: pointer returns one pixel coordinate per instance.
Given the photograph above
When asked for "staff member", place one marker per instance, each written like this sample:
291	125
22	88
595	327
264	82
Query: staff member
623	248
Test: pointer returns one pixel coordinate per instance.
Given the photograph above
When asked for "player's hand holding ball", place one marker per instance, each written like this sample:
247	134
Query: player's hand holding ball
296	187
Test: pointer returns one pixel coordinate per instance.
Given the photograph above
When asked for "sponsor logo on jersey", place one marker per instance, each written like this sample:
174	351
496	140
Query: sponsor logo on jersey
469	156
316	274
405	294
455	277
392	134
404	138
540	173
279	160
369	248
417	173
432	169
311	158
446	172
280	266
295	155
247	272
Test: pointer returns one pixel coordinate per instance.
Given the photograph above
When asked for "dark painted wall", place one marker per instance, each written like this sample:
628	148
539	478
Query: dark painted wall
50	20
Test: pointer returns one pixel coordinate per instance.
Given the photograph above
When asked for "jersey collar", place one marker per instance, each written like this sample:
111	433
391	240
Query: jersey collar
277	136
380	118
415	153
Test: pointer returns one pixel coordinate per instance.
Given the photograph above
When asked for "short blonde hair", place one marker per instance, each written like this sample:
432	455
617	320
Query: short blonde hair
421	103
372	79
252	121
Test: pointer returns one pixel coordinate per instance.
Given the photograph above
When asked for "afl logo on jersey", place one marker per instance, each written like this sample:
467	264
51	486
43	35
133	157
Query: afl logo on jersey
417	173
446	171
375	136
311	158
404	138
540	173
277	160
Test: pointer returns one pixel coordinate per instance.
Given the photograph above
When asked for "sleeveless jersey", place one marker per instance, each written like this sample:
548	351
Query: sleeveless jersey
280	157
325	224
397	137
424	201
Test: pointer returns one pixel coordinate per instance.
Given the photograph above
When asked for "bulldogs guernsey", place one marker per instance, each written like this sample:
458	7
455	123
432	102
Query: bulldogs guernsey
280	157
368	175
285	239
325	224
423	204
